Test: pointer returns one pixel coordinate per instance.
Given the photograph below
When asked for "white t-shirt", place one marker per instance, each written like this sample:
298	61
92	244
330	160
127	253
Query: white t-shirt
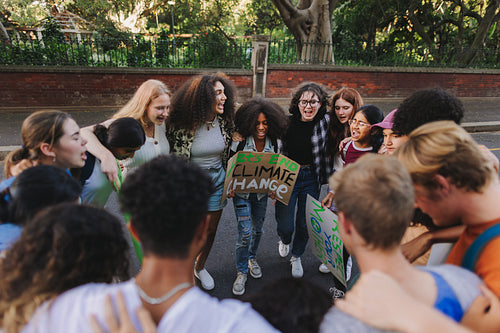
153	147
194	311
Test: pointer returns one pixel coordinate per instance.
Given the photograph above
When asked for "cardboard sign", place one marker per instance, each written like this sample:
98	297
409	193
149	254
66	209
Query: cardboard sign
322	225
252	172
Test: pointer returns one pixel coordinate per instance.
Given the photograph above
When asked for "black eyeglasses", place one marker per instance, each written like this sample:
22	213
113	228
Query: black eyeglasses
313	102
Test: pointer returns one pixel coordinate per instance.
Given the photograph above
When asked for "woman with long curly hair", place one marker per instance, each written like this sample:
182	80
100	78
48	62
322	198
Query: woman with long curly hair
200	128
150	106
261	123
65	246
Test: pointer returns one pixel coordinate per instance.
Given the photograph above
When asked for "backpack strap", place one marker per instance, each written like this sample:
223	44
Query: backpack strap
476	248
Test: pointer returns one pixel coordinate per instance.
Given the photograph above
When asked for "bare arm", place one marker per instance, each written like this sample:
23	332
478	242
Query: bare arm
378	300
418	246
108	161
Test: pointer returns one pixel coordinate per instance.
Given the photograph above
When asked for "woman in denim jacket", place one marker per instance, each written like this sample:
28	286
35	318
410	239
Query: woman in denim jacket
261	124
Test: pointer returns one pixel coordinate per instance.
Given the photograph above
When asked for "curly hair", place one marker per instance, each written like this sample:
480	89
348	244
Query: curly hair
317	89
167	199
137	106
246	118
292	305
425	106
35	189
336	130
39	127
193	103
124	132
65	246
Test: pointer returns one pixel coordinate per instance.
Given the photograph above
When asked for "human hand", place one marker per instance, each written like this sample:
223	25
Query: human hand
417	247
326	203
237	137
109	168
272	195
230	194
22	165
382	150
344	142
120	322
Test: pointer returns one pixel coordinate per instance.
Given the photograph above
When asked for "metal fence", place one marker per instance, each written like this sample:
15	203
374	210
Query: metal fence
140	51
285	51
134	52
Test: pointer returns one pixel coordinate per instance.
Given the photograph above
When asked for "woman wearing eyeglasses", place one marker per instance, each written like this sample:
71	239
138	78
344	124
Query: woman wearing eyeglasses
304	142
364	138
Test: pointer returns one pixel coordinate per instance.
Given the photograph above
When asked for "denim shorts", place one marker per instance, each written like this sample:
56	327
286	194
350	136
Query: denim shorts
214	202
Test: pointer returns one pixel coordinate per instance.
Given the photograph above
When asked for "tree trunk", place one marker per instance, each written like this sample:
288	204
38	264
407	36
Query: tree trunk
310	24
488	19
2	28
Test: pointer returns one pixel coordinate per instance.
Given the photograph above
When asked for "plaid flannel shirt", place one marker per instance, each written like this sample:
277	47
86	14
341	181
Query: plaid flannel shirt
321	161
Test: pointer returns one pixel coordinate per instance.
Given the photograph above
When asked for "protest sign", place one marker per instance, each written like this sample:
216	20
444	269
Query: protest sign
322	225
253	172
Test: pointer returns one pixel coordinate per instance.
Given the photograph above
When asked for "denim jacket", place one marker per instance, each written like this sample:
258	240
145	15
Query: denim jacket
250	146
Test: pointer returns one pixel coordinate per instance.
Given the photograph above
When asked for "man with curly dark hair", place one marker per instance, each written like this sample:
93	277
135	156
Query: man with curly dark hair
167	199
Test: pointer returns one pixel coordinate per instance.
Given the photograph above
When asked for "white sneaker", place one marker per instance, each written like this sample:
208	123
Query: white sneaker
283	249
323	269
297	271
254	269
207	282
239	284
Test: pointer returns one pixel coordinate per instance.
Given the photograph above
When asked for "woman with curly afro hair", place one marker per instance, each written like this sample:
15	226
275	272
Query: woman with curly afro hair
200	128
65	246
261	123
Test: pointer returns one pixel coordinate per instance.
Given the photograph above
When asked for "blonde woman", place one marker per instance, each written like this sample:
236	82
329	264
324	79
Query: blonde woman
150	106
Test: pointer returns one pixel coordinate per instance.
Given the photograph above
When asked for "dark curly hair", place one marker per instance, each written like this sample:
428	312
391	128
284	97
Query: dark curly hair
374	115
35	189
167	199
193	103
316	89
425	106
65	246
246	118
336	130
292	305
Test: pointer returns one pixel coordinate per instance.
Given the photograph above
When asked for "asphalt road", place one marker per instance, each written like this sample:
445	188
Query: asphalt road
221	262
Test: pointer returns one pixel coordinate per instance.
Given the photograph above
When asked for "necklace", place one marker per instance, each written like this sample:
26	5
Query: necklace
161	299
211	123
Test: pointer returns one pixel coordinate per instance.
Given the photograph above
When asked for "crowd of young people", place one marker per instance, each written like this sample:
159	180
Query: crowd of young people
414	168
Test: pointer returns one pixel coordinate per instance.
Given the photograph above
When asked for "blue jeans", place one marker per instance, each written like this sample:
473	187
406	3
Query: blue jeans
306	184
250	214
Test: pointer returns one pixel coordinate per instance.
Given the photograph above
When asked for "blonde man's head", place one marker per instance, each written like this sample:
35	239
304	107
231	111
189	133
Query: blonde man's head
376	194
446	149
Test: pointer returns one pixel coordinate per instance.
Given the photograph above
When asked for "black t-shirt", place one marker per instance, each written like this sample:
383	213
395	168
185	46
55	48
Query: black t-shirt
298	141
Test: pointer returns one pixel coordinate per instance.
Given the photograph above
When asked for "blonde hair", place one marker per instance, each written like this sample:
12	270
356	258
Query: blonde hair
376	194
444	148
136	107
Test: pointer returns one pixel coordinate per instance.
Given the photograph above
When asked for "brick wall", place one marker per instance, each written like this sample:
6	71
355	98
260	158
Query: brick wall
94	88
374	82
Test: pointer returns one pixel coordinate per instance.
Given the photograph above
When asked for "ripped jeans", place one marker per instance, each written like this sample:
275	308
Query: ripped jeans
250	214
